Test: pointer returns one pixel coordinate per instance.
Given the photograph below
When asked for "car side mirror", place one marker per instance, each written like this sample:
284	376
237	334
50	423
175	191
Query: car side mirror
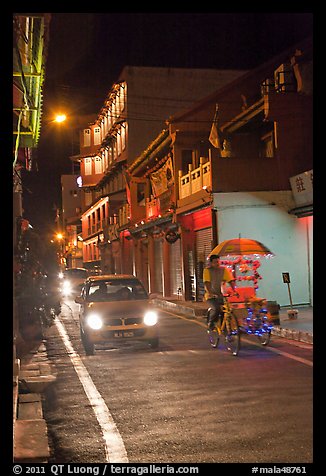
79	300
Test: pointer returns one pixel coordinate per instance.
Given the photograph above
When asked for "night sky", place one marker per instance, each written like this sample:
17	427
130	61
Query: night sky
87	52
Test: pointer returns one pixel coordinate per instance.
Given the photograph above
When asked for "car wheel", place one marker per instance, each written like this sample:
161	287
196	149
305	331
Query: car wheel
154	343
88	346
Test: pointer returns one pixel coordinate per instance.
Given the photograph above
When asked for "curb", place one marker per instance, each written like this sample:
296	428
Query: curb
293	334
184	310
199	311
31	442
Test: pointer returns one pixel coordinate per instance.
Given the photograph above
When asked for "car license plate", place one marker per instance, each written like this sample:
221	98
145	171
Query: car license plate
124	334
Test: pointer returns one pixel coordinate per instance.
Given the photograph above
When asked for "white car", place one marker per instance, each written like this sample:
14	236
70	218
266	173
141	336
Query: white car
72	281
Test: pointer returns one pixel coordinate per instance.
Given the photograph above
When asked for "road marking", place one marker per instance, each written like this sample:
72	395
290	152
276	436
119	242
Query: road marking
281	352
272	349
115	450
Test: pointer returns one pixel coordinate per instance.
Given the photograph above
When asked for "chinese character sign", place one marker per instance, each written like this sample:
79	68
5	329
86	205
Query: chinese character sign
302	188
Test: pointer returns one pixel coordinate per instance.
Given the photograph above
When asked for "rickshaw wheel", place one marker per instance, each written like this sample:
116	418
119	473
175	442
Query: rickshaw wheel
265	338
213	337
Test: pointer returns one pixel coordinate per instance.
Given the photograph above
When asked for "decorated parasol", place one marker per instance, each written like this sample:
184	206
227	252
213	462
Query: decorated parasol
242	252
241	247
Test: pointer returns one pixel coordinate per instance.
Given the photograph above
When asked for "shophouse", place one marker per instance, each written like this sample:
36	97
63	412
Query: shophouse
133	113
254	178
69	221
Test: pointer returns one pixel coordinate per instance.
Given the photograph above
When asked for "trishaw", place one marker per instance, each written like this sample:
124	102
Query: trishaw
250	311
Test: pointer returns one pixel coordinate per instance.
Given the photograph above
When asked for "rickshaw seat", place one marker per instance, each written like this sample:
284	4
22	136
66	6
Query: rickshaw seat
245	293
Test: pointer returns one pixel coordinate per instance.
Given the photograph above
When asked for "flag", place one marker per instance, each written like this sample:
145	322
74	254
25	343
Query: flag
214	136
163	178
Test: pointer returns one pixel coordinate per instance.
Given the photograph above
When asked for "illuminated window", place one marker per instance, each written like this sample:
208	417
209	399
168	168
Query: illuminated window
109	118
97	135
88	166
119	143
114	112
122	96
87	137
98	165
123	137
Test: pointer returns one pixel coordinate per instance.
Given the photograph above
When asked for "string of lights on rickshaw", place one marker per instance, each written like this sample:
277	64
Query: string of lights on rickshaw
256	321
245	265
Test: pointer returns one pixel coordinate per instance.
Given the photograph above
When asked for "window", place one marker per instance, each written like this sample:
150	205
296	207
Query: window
88	166
88	199
141	194
267	145
105	156
123	96
109	118
114	112
119	142
97	135
98	165
186	160
123	137
87	137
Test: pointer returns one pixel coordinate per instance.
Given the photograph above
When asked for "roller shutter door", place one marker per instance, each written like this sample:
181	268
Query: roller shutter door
204	239
175	267
158	250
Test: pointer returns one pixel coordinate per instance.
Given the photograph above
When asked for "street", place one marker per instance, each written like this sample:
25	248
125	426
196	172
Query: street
182	403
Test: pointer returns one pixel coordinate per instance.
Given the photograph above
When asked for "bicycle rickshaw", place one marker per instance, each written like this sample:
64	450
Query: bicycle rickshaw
247	313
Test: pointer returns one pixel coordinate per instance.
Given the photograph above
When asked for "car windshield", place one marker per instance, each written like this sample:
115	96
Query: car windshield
115	290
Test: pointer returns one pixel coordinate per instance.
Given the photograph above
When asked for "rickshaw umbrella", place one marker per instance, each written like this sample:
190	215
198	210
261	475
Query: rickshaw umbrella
240	247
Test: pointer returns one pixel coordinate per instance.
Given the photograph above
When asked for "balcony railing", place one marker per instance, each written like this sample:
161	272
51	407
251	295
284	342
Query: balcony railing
195	180
124	214
152	208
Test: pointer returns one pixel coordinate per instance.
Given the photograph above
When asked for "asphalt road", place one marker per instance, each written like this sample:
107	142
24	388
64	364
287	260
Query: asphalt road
182	403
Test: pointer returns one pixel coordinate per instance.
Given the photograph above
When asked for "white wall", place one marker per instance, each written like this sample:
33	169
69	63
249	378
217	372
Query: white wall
264	216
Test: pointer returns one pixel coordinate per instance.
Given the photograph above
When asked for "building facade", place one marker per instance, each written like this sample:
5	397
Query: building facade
260	152
238	162
134	112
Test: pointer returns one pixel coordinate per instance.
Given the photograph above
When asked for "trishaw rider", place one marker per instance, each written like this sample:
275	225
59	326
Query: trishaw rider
214	276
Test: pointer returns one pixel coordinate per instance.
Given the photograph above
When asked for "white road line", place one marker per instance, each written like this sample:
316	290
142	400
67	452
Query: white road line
115	450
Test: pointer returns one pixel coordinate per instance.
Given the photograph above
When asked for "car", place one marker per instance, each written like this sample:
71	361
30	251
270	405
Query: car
73	280
116	307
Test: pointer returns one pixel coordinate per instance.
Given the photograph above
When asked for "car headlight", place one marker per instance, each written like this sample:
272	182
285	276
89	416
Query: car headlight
150	318
60	275
94	321
66	288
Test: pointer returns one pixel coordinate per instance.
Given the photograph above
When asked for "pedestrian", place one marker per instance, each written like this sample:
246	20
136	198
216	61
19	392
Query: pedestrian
214	276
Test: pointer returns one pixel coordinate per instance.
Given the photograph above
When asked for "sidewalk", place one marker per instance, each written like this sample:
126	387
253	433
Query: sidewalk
300	328
36	373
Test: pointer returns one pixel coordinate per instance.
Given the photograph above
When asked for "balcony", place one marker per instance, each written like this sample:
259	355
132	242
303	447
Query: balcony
195	180
152	208
124	215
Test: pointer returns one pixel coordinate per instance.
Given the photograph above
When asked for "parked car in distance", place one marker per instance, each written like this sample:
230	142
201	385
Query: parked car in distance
72	281
116	307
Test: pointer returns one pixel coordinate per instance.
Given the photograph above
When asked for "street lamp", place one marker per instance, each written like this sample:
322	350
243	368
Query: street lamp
61	239
60	118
